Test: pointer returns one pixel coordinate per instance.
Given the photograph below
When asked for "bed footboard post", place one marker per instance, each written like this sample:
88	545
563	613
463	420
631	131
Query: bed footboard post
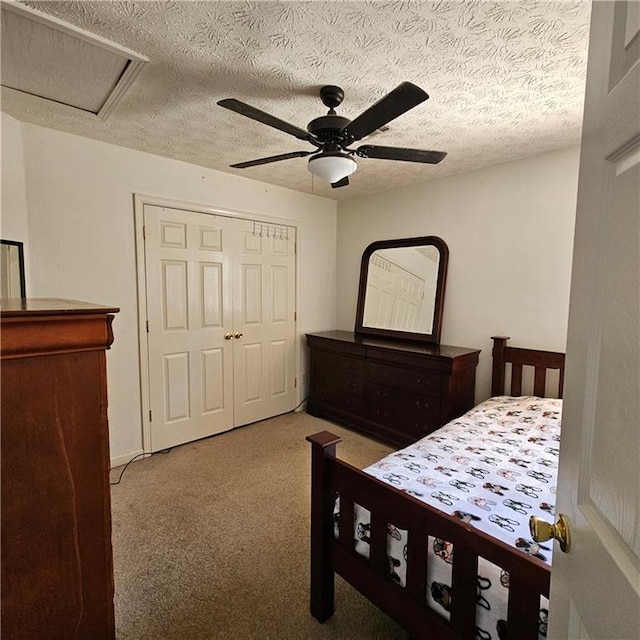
498	372
323	446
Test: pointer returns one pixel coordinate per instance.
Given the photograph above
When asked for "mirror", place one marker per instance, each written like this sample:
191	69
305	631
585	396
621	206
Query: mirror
401	290
12	281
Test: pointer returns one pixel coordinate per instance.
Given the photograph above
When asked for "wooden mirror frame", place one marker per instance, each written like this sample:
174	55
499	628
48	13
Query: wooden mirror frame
429	338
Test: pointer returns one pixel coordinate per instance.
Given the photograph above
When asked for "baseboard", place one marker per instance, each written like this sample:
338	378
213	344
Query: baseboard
118	461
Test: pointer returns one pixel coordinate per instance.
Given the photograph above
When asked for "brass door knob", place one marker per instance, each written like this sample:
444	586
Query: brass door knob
238	334
228	336
541	531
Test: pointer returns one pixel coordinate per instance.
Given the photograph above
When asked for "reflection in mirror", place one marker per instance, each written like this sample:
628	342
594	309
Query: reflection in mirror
12	284
402	289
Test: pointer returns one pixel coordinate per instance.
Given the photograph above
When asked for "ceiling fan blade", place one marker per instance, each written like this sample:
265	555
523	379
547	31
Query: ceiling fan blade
394	104
398	153
266	118
341	183
282	156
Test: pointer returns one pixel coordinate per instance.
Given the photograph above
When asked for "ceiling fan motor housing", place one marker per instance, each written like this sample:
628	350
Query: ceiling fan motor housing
331	96
328	128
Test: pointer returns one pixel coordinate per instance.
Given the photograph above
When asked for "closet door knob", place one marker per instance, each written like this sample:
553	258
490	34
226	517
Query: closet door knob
238	334
228	336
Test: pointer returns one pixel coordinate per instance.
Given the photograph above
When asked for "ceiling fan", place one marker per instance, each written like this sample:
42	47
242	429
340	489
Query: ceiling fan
333	134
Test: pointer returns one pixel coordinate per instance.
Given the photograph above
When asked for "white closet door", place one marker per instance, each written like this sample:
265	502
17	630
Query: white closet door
264	322
189	312
221	312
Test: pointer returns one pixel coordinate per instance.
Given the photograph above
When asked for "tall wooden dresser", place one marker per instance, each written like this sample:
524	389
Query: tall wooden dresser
57	568
395	390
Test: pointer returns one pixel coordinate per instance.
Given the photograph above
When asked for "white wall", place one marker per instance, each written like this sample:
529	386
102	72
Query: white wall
82	244
13	214
509	229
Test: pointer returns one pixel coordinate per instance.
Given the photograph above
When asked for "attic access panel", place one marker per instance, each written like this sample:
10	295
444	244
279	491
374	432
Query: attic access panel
56	61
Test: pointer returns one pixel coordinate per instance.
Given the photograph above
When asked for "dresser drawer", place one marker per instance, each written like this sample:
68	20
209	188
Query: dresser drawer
337	374
410	404
413	380
325	381
336	363
409	426
341	401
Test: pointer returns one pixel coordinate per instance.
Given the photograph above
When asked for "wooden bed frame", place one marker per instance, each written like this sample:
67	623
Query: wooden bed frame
529	577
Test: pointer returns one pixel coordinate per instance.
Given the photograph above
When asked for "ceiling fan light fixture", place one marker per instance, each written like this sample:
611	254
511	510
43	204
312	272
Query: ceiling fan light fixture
332	167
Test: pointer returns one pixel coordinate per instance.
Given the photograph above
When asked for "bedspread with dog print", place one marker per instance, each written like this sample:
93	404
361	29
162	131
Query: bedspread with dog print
493	467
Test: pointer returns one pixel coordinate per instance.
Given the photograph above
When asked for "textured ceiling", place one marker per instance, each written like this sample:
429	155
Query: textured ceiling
505	79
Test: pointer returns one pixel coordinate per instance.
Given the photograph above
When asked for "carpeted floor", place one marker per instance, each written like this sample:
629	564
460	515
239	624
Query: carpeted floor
211	540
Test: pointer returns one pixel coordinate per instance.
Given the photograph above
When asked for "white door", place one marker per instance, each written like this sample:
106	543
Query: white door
216	355
408	301
595	588
188	285
264	321
394	295
380	293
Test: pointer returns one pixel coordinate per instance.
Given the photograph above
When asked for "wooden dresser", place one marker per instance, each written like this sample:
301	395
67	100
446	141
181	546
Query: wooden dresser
394	390
57	570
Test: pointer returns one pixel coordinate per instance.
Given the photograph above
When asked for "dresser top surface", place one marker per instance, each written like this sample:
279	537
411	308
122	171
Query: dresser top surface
441	350
11	307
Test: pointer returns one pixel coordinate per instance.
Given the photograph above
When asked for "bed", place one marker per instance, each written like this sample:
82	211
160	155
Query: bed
422	534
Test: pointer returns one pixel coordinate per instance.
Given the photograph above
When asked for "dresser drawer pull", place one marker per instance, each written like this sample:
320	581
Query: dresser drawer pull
352	385
381	394
422	405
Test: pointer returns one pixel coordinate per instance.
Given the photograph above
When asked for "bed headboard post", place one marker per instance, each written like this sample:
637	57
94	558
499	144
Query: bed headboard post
498	373
323	447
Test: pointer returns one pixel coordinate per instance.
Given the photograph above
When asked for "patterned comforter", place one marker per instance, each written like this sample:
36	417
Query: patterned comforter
493	467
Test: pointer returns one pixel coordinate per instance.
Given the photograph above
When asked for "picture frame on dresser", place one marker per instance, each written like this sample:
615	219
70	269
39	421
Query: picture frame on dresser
12	270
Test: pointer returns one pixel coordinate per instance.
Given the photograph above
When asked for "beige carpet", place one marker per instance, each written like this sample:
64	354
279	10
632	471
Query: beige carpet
211	540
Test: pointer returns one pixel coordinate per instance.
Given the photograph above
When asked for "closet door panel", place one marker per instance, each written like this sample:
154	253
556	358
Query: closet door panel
211	287
279	303
264	309
252	294
278	375
250	356
174	294
212	374
188	285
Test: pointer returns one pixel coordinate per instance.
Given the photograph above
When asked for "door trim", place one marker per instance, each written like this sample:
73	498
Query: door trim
139	201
